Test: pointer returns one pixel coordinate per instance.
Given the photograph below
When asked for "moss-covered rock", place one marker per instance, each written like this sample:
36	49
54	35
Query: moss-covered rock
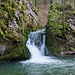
15	25
1	33
71	48
59	32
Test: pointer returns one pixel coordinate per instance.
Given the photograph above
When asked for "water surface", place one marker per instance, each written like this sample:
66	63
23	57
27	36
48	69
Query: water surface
61	66
39	63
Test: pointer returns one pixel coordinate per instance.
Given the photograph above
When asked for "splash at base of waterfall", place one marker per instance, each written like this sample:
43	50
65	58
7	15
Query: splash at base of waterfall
37	48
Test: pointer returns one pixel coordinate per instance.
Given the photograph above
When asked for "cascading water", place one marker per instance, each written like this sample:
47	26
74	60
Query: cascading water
36	43
39	63
37	48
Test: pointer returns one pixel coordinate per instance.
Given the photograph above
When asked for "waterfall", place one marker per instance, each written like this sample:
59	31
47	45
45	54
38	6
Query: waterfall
37	48
36	44
44	50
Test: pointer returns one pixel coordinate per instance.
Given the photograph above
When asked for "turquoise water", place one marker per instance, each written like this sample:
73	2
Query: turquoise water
60	66
39	64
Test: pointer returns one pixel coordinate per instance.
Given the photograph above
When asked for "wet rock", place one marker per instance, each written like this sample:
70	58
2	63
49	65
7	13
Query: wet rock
69	53
2	49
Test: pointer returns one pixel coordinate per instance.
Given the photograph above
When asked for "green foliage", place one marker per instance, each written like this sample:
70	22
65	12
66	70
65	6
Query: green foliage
2	13
52	16
73	31
11	12
17	38
53	13
55	27
70	12
27	31
21	51
35	10
55	50
68	7
1	33
52	7
7	57
71	48
22	12
23	7
11	3
3	4
60	6
2	25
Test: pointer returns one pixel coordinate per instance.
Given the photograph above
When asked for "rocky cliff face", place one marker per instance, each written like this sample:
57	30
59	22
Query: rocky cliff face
17	19
60	35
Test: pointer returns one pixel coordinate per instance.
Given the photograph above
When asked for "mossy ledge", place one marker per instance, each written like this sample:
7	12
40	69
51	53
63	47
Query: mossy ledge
60	30
16	22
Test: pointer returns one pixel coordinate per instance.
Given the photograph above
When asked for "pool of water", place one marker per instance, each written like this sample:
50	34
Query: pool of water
60	66
39	63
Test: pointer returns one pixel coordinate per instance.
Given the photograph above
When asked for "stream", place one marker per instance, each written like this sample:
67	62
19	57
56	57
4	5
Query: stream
40	63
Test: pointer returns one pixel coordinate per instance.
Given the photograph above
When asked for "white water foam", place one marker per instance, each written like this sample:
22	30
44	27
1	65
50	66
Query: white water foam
37	55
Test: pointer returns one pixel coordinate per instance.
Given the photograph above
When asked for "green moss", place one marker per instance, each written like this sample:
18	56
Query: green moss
22	12
11	3
73	31
21	51
3	4
7	57
52	7
53	15
12	35
1	33
23	7
60	6
54	50
70	13
27	31
2	13
34	8
57	28
2	24
71	48
11	12
17	38
68	7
